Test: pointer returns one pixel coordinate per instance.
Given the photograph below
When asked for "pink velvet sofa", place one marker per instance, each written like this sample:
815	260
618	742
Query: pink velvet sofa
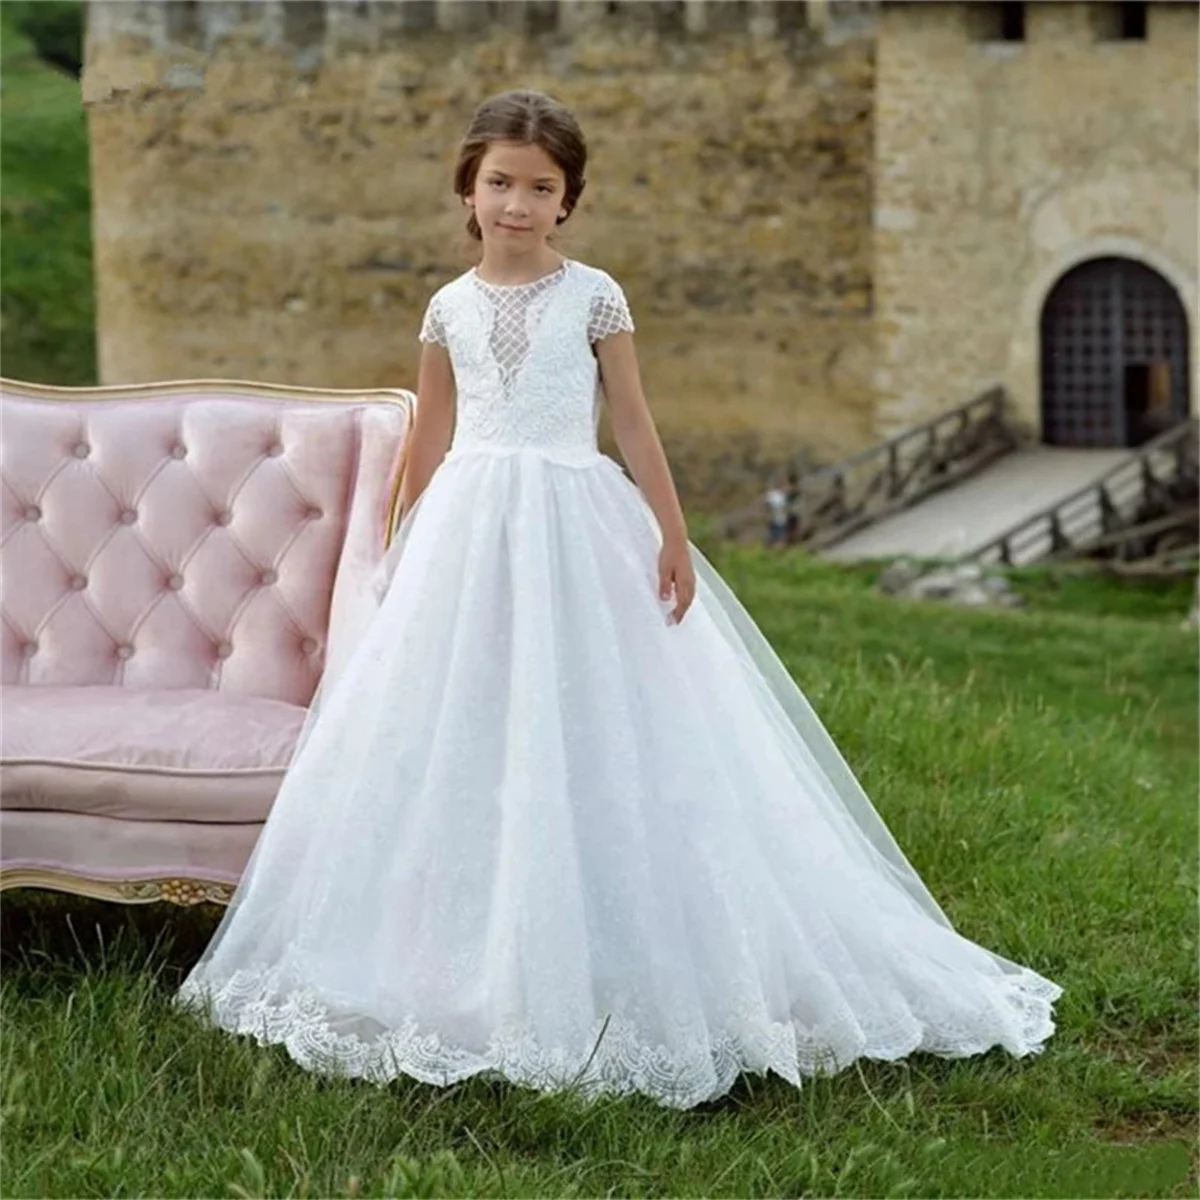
174	558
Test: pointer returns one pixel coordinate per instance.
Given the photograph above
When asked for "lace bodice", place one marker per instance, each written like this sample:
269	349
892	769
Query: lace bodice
524	368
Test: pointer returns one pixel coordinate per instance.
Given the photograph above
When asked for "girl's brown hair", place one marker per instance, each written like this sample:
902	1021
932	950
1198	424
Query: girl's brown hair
533	119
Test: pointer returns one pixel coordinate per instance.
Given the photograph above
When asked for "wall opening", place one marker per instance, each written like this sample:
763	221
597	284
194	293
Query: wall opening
303	22
1114	350
1124	21
988	21
182	20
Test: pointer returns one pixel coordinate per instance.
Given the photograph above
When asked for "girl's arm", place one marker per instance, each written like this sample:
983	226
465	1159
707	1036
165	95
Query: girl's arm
430	435
634	429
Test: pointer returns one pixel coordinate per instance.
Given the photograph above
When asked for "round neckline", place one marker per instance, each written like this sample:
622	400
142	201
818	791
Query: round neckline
562	266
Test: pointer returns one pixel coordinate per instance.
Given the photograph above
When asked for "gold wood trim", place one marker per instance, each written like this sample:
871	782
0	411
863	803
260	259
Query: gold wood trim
178	890
105	391
393	519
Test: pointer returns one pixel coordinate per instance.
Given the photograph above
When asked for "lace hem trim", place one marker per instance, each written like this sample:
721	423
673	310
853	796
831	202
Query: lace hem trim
704	1066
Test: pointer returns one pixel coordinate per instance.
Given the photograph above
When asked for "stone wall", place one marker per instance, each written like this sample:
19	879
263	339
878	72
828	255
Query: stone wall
1002	164
272	199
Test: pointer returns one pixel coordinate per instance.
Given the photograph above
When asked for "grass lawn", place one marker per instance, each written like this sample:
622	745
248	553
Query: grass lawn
47	312
1038	767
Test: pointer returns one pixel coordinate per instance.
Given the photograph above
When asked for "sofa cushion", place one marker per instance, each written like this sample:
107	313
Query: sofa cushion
151	754
188	535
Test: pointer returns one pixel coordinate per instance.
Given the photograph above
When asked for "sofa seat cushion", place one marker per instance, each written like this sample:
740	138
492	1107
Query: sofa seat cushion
148	754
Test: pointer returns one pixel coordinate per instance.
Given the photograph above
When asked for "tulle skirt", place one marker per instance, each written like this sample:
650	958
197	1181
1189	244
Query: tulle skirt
533	830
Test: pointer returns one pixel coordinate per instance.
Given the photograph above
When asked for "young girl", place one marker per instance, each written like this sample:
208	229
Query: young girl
560	815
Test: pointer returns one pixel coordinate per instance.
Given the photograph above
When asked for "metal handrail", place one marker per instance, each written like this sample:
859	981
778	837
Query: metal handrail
1099	491
825	486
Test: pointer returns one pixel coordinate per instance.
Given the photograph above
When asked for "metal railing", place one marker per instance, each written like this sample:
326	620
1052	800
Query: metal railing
837	500
1140	492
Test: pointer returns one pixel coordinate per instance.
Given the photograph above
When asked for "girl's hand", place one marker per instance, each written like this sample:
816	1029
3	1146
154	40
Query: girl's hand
675	568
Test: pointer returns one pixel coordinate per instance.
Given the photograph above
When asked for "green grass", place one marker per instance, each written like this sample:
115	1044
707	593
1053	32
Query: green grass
47	317
1039	768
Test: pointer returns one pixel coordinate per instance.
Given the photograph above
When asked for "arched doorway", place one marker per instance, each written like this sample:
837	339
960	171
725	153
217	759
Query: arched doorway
1114	356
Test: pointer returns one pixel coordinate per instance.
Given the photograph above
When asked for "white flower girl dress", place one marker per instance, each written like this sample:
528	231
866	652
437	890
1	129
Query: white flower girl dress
532	829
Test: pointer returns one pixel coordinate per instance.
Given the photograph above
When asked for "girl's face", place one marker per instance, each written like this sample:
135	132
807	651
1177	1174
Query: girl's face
518	196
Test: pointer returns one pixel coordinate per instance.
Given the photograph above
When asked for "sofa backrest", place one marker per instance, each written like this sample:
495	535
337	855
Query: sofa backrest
191	534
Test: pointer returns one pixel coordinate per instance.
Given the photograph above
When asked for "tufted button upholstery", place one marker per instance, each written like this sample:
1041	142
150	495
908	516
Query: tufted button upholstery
275	449
343	462
223	649
33	513
124	652
188	749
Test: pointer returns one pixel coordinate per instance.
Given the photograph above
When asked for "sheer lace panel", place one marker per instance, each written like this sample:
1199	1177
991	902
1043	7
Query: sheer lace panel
609	312
511	325
432	329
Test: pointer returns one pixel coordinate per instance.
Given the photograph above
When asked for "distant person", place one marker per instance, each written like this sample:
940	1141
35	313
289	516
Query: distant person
776	502
793	507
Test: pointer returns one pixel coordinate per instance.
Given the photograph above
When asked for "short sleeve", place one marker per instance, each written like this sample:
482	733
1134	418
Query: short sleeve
609	312
432	329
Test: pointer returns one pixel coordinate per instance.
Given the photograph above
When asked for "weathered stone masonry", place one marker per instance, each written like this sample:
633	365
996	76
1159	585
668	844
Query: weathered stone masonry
832	220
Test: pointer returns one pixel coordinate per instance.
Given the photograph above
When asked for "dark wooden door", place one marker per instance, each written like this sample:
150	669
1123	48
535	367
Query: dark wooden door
1114	356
